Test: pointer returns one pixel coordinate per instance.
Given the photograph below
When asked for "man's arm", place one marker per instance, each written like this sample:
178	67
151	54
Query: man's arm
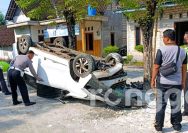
12	62
156	66
184	75
184	72
32	70
154	75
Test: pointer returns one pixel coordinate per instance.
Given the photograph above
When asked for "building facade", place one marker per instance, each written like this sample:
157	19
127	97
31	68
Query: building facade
173	17
95	32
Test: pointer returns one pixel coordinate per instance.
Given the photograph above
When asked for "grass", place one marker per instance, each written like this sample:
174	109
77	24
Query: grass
136	63
4	65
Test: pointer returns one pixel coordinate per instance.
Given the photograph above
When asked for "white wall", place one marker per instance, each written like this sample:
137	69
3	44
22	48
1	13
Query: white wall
20	17
131	41
28	30
19	31
34	32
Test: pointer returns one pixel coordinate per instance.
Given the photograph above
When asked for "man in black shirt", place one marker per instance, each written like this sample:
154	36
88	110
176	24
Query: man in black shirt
169	87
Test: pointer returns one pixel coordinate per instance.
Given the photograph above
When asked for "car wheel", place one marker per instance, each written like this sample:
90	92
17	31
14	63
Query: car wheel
123	51
83	65
113	59
59	41
24	44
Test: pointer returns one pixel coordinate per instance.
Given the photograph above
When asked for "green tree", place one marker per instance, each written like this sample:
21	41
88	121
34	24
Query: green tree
70	10
2	18
144	12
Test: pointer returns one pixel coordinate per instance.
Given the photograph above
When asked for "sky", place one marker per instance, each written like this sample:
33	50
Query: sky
4	6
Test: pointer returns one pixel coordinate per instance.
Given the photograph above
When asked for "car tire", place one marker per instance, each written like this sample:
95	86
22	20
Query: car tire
24	43
83	65
59	41
114	58
123	51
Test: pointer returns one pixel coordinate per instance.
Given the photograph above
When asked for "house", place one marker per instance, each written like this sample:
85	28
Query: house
93	33
6	41
173	17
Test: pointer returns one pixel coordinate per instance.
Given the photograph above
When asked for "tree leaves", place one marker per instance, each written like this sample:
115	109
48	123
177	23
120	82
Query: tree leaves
2	18
41	9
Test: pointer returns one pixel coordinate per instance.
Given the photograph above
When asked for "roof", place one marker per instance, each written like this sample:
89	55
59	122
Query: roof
11	10
166	5
6	36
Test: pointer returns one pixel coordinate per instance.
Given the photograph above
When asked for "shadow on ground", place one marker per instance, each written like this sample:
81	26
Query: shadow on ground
5	125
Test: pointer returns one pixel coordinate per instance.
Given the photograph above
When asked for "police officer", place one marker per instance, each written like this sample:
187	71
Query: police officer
3	86
15	75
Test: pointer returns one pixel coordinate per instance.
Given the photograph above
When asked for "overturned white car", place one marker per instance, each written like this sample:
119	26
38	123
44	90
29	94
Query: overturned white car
70	73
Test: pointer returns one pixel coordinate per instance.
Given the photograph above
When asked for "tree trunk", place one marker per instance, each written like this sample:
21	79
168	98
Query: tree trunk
148	60
155	38
147	25
70	20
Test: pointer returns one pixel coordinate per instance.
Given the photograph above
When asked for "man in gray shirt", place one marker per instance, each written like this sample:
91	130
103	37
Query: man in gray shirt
15	75
169	87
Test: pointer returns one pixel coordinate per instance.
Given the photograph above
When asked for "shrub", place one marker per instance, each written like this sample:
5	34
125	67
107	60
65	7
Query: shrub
184	46
4	65
110	49
128	59
139	48
139	64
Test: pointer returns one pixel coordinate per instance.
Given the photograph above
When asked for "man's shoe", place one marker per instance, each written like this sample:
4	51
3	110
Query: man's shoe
7	93
177	127
185	113
17	102
158	129
30	103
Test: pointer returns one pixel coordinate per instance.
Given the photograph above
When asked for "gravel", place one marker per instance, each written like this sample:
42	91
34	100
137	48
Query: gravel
77	116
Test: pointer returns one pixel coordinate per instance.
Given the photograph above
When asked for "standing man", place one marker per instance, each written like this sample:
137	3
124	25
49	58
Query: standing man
169	87
15	75
185	113
3	86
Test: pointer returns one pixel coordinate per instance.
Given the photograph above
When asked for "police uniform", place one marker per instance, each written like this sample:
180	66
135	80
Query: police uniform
3	85
15	75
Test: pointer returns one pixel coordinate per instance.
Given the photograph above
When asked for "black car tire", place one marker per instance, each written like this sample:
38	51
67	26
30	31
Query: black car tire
83	65
123	51
114	58
24	43
59	41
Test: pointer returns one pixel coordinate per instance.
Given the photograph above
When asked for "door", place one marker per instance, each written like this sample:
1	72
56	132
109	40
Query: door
89	43
180	28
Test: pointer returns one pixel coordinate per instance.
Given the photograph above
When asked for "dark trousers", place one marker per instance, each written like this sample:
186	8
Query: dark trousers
173	93
3	85
15	80
186	96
